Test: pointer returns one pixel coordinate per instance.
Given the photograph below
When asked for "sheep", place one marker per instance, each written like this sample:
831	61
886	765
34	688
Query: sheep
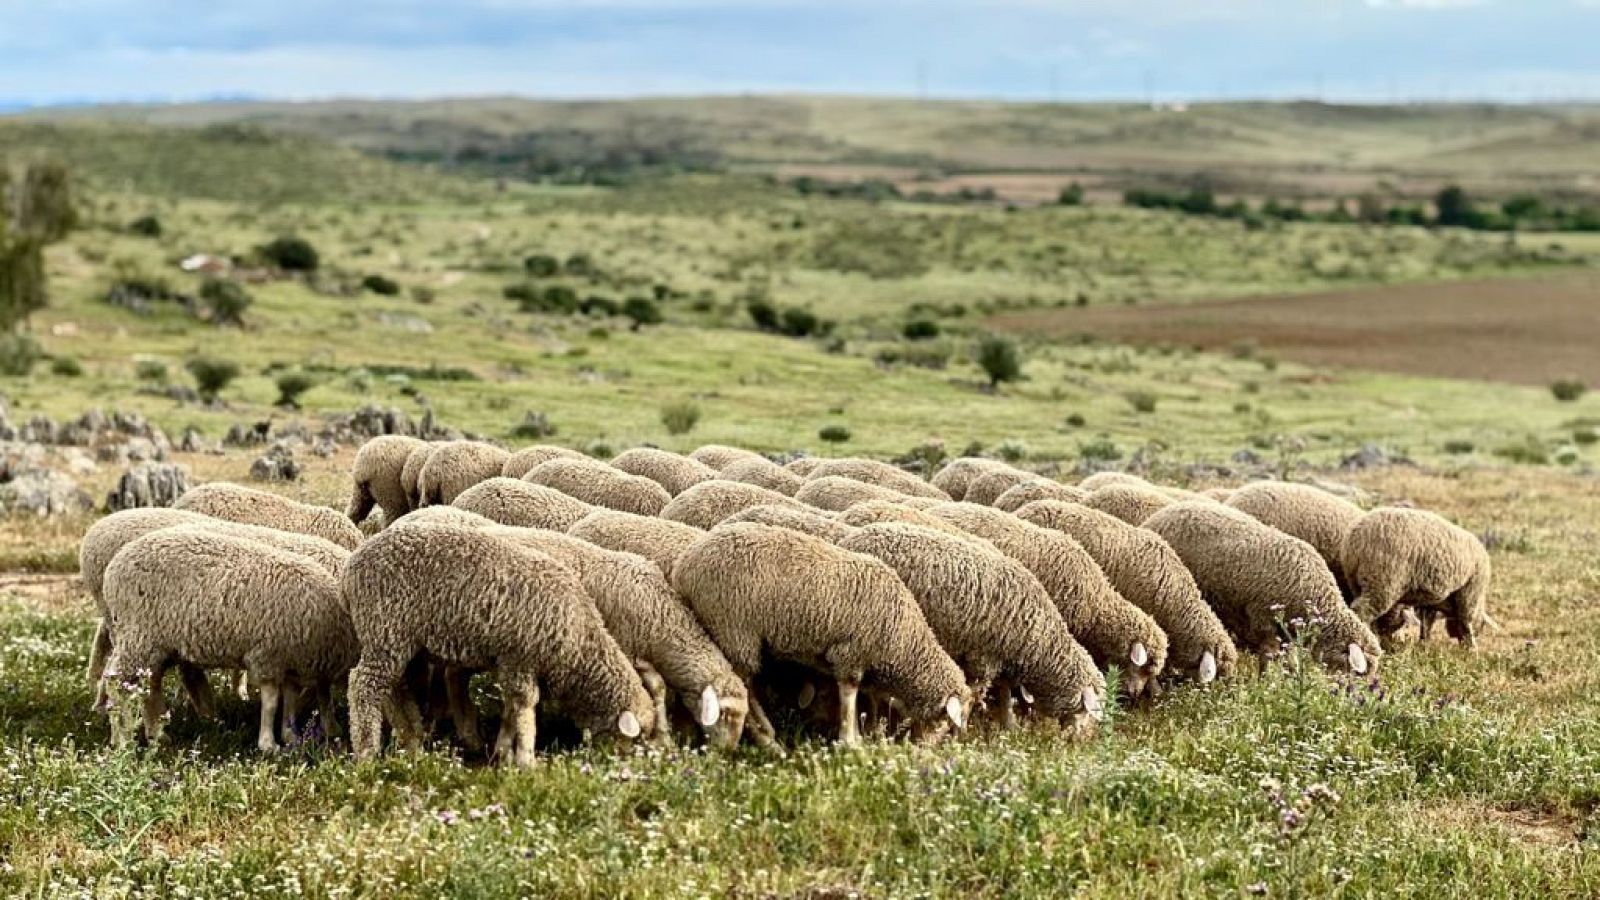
798	518
719	457
836	494
598	484
247	506
1265	585
989	486
804	465
654	628
218	601
709	502
1132	503
959	474
658	540
512	501
523	461
376	476
1038	489
872	512
412	470
763	472
991	615
1397	558
672	471
758	588
1113	630
881	474
456	466
474	601
1311	514
1148	574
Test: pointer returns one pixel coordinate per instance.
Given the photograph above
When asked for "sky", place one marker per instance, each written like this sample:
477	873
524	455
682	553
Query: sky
78	51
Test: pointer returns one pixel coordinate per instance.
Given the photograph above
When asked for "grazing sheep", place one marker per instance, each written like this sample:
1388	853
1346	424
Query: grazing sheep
470	600
874	512
881	474
959	474
1148	574
1132	503
991	615
525	460
1310	514
412	471
450	515
804	466
835	493
760	589
709	502
654	628
598	484
763	472
376	476
658	540
216	601
512	501
456	466
248	506
719	457
673	471
1265	585
1397	558
1038	489
798	518
1114	631
1099	480
991	485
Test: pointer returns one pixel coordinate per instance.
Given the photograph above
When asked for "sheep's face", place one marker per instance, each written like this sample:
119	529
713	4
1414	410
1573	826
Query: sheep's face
720	711
1355	657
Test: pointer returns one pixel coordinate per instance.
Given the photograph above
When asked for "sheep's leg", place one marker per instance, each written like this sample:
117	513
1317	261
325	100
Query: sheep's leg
99	651
241	686
519	729
458	691
657	687
266	741
758	725
198	689
1004	713
849	731
155	705
290	698
373	685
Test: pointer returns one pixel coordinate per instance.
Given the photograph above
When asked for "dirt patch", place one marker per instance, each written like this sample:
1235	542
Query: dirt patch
1529	331
43	591
1527	826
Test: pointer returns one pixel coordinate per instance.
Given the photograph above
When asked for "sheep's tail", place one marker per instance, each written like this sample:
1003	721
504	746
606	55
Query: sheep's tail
99	650
361	501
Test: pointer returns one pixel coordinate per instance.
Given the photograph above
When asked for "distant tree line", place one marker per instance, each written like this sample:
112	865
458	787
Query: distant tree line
1452	207
566	156
878	190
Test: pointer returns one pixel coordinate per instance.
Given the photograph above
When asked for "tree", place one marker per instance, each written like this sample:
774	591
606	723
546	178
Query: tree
292	254
226	300
1453	208
212	375
35	210
1071	195
999	358
642	310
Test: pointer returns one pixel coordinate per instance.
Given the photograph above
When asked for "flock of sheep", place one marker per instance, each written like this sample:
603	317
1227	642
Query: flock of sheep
663	593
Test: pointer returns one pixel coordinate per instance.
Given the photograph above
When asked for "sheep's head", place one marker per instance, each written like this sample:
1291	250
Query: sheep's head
720	710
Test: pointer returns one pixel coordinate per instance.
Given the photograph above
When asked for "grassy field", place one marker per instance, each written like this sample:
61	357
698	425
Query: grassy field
1451	773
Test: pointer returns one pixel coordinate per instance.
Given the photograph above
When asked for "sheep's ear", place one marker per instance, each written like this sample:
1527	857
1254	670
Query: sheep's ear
1208	667
1139	655
1358	660
1022	691
628	724
1092	704
710	707
953	709
808	694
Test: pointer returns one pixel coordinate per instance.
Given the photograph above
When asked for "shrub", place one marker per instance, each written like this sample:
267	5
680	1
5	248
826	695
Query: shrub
540	265
1459	447
800	322
1585	436
1529	450
423	295
66	367
923	356
378	284
153	370
1101	449
557	298
292	254
522	293
1142	401
999	358
1568	390
920	329
534	425
1071	195
1076	420
834	434
764	314
19	353
579	264
146	226
225	300
1011	450
596	305
291	385
642	310
680	416
212	375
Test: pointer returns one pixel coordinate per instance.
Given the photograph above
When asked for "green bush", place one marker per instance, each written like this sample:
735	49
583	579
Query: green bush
292	254
597	305
225	300
1458	447
1071	195
580	265
1011	450
534	425
522	293
66	367
211	375
920	330
1568	390
764	314
923	356
556	299
378	284
423	295
1101	449
145	226
1530	450
643	311
291	385
19	353
1142	401
999	358
1585	436
540	265
680	416
1076	420
834	434
797	321
152	370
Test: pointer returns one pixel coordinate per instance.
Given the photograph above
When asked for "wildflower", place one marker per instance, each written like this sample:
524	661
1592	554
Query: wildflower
447	816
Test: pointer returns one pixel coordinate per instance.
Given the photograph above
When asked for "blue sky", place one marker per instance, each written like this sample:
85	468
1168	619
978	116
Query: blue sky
55	51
